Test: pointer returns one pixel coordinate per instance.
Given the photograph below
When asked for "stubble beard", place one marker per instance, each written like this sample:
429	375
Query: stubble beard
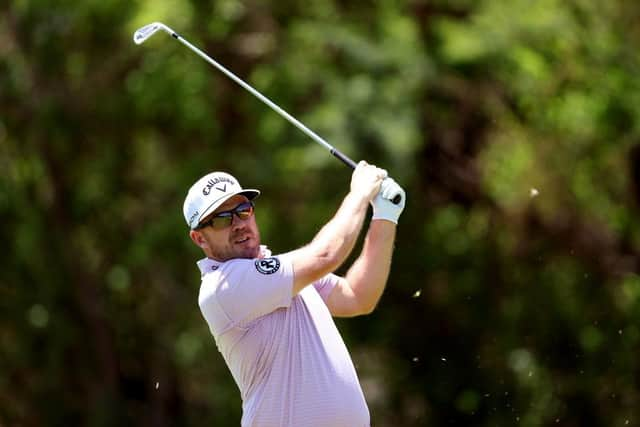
234	251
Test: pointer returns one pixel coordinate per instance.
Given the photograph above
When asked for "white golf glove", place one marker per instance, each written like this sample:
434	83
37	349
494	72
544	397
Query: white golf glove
383	207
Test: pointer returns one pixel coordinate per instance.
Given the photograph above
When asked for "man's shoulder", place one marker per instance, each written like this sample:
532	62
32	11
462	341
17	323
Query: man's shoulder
263	266
240	269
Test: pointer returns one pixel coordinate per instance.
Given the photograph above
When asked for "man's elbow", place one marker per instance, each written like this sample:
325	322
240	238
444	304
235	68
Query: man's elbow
327	253
366	308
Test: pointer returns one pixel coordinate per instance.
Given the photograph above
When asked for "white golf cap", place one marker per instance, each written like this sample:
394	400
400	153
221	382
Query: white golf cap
208	193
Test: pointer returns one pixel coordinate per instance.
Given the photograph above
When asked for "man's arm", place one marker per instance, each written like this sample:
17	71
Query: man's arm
359	292
336	239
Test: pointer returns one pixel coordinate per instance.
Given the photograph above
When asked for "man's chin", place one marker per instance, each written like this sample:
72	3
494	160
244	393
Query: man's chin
249	252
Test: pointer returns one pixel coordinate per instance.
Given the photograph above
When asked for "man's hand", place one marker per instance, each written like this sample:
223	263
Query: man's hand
366	180
383	207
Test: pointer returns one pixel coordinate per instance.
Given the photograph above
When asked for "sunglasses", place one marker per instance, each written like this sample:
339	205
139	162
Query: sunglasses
225	219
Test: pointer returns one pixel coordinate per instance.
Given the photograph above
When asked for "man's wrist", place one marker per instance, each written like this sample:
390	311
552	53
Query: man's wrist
385	216
358	200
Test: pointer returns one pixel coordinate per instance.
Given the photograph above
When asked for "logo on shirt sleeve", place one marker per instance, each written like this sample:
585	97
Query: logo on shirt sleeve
267	265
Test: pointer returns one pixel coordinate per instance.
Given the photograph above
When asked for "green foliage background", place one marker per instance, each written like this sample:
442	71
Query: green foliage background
513	125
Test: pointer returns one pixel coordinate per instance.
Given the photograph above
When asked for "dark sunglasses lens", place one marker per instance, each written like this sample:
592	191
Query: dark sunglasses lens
219	222
244	211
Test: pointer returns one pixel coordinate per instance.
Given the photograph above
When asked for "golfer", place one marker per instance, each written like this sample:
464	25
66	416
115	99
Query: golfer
271	315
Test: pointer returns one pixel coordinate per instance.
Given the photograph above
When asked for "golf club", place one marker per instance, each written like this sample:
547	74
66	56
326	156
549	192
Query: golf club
142	34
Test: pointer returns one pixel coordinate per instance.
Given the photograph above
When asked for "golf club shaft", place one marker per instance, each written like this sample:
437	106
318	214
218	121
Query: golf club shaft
337	153
147	31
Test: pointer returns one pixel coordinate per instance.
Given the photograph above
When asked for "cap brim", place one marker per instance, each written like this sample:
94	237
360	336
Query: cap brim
248	193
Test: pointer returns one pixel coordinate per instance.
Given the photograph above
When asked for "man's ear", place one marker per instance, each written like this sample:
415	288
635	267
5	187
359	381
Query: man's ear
198	239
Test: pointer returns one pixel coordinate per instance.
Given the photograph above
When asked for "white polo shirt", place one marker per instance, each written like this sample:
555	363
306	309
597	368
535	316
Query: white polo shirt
284	352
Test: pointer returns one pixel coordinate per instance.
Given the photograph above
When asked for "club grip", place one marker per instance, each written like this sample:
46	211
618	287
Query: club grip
347	161
344	158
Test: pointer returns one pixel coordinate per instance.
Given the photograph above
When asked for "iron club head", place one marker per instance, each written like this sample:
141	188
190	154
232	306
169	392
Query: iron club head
142	34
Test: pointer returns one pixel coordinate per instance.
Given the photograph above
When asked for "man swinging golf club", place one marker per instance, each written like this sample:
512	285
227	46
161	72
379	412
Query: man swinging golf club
271	315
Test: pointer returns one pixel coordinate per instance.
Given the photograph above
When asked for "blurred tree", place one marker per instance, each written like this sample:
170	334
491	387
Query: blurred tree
513	125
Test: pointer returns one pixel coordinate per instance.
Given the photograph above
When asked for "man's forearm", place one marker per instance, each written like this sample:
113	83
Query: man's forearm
338	237
368	275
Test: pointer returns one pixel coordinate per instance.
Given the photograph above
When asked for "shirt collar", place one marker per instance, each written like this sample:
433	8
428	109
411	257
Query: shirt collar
207	265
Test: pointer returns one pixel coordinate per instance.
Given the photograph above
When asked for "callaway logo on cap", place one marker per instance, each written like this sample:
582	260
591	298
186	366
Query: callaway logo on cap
208	193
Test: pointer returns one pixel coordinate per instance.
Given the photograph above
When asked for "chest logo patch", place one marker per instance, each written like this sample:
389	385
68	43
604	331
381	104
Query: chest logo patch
267	265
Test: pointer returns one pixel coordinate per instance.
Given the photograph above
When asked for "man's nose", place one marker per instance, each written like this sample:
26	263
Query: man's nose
238	223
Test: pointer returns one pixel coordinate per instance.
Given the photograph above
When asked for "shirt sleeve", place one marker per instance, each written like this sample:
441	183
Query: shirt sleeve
250	288
325	285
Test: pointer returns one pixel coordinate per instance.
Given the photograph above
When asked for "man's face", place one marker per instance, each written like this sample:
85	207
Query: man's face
239	240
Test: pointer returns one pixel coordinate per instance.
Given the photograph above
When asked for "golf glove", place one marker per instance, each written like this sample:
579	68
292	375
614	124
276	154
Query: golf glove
383	207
